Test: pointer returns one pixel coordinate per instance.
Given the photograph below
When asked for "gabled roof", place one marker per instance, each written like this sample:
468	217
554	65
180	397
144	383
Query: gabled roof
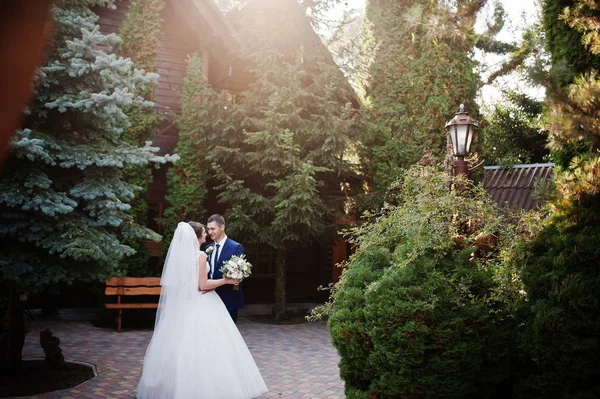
207	21
217	33
298	25
214	17
515	187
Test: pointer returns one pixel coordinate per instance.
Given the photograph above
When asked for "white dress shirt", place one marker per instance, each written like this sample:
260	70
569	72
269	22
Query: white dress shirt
213	255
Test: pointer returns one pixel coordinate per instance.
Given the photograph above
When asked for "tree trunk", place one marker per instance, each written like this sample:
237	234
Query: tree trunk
16	329
280	278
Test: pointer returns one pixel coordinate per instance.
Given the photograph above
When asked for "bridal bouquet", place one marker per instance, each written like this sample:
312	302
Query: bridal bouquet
237	268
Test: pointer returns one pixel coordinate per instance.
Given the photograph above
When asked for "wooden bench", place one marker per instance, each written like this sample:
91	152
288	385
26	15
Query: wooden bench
131	286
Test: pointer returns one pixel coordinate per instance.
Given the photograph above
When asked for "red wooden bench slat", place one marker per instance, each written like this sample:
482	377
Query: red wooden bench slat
130	286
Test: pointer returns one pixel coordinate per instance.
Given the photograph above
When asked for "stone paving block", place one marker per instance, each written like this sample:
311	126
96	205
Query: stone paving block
296	361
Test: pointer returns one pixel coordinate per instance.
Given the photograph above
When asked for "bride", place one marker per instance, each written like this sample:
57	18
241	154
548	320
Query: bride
196	350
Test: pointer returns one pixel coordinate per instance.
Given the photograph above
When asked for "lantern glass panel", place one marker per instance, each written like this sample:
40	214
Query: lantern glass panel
459	139
469	138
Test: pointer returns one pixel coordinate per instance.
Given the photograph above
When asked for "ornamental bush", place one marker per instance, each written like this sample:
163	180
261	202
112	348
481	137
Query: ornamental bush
561	337
421	311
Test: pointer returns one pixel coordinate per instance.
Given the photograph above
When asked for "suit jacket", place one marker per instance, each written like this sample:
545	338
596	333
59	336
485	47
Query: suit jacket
232	299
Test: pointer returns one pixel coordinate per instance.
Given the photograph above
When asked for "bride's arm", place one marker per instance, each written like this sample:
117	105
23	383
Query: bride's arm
203	282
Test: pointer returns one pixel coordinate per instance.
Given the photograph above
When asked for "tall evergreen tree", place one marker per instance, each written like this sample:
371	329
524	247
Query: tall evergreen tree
513	133
421	69
561	327
295	126
64	202
203	122
582	16
571	31
564	42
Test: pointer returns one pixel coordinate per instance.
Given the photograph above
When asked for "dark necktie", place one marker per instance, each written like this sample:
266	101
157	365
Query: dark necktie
216	259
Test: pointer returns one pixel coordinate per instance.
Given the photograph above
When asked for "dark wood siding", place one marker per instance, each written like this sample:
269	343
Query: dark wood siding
176	42
110	20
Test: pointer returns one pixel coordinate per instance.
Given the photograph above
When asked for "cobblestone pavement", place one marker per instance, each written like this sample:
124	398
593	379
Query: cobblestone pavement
296	361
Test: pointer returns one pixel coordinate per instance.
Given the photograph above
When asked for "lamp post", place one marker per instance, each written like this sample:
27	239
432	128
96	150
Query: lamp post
461	130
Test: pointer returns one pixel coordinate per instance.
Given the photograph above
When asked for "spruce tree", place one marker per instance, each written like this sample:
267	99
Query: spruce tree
64	203
296	125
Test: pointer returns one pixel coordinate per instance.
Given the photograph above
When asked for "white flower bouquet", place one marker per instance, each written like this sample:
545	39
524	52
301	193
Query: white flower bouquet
236	268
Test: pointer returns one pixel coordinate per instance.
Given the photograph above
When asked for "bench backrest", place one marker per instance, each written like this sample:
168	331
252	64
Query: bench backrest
133	286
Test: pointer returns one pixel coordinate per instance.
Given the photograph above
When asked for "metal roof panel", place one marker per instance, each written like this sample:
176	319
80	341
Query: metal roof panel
515	186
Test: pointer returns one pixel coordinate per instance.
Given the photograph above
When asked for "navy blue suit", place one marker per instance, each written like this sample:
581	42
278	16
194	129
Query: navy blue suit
233	300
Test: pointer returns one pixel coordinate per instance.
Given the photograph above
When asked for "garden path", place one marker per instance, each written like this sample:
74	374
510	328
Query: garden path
296	361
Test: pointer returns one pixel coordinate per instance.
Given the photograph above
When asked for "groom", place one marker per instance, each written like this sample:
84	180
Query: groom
224	249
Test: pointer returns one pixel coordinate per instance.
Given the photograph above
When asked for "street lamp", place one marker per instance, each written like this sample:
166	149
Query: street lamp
461	130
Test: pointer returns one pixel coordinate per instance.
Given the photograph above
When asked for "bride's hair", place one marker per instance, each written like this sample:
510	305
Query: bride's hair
198	228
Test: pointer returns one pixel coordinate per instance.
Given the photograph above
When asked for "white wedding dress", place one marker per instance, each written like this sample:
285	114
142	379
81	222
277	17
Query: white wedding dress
196	350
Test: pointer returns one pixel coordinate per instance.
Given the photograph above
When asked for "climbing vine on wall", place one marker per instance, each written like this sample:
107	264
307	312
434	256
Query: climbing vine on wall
140	33
203	119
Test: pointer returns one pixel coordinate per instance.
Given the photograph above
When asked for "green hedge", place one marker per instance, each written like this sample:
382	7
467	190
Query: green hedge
414	316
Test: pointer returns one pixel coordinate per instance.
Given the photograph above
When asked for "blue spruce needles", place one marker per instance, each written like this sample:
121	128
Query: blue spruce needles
64	204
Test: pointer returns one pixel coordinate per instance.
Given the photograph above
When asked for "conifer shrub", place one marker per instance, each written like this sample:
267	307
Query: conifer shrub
421	311
562	280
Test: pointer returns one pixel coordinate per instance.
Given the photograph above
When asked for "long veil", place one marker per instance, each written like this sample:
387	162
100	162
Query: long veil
179	283
179	280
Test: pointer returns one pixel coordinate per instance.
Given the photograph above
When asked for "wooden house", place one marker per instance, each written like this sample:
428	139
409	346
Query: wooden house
198	26
188	26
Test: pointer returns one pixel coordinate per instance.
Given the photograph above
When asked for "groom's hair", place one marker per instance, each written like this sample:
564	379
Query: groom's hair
198	228
218	219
